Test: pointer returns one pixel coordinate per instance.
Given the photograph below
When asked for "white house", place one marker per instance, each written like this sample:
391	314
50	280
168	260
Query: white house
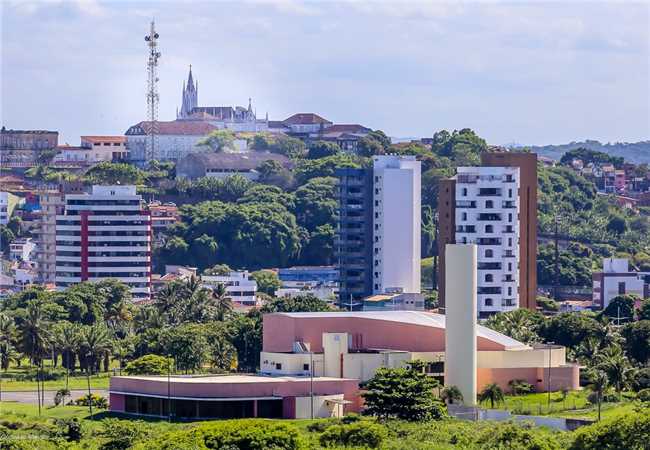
239	286
617	279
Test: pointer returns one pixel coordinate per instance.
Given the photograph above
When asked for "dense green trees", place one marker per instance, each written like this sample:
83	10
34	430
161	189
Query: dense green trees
403	393
590	156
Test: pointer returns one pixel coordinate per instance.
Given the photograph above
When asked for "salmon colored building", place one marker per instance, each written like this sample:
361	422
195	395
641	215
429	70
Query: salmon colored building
355	344
311	365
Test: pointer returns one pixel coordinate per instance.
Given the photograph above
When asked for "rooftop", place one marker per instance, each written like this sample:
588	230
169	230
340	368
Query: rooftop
305	119
420	318
224	379
112	139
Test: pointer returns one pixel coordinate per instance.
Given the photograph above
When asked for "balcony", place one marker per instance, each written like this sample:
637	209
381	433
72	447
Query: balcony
509	254
489	192
489	217
493	290
354	219
466	178
489	266
507	278
508	205
508	302
466	229
508	229
465	204
488	241
509	179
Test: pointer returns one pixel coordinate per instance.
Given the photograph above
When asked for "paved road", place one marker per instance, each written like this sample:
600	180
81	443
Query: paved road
31	396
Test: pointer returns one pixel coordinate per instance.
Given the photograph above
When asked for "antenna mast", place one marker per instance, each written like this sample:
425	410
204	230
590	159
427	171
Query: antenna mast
152	91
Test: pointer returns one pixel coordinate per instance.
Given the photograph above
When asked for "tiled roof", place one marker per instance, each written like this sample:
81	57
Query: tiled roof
347	128
305	119
181	127
111	139
275	124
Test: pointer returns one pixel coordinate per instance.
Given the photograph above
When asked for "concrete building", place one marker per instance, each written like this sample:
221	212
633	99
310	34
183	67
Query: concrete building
309	274
93	149
378	245
105	234
617	279
35	140
241	288
355	344
494	206
233	397
163	216
174	140
22	249
222	165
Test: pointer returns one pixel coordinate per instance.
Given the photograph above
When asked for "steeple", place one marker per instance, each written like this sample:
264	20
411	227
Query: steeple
190	98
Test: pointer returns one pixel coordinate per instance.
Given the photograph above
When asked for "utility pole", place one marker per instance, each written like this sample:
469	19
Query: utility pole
152	91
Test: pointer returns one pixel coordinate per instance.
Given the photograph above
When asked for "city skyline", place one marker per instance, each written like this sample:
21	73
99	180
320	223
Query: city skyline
578	73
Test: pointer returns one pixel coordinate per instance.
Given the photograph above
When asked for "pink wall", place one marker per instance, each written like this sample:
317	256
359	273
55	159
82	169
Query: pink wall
566	376
271	387
116	402
281	331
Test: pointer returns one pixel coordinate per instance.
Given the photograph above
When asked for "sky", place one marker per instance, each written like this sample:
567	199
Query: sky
522	72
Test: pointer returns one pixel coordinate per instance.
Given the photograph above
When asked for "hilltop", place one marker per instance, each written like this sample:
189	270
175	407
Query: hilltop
634	152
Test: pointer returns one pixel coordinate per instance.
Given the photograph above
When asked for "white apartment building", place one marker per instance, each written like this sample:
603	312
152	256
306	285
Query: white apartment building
617	279
22	249
487	214
4	208
52	205
241	288
396	224
105	234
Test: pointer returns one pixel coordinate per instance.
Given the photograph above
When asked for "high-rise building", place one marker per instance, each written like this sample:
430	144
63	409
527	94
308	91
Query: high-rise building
105	234
495	207
378	244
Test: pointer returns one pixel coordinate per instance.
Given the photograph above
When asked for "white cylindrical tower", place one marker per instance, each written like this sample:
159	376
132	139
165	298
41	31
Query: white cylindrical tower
460	319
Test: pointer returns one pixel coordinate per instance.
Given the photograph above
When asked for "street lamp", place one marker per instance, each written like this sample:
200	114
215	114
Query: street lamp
550	346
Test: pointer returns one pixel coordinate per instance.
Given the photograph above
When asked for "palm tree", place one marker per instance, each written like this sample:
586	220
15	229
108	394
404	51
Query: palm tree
95	340
222	302
118	315
66	337
615	364
148	317
492	393
8	354
599	384
34	332
168	299
451	394
588	349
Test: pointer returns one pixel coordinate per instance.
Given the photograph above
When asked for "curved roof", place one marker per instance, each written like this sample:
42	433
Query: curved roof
421	318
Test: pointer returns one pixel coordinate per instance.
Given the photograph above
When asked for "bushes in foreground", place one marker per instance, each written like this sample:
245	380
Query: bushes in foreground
630	432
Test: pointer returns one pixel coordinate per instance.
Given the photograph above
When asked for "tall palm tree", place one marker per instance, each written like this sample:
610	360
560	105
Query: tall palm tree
451	394
34	332
8	353
615	364
492	393
588	349
599	384
222	301
95	341
168	299
66	337
148	317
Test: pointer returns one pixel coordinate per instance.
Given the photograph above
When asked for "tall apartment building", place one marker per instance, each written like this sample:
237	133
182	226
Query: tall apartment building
105	234
378	243
495	207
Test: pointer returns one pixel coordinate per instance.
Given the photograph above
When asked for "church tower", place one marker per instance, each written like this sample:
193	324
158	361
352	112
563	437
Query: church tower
190	97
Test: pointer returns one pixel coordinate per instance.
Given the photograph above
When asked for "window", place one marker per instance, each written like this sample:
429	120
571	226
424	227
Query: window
463	216
510	242
509	291
489	278
278	366
621	288
489	204
489	229
510	217
464	192
488	302
305	367
489	253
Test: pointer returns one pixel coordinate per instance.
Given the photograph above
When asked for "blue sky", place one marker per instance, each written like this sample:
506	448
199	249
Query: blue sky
532	73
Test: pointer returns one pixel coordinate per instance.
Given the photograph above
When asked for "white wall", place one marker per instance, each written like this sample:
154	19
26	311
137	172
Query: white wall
322	407
397	224
460	330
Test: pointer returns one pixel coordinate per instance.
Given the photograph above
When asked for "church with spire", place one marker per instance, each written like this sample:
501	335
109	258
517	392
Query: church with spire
236	118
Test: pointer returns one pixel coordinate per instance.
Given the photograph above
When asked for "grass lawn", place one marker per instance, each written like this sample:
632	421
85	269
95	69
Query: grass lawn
574	405
57	412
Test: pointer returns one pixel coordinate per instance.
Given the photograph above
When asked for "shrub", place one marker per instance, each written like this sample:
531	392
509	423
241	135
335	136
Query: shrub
513	436
122	434
631	431
70	429
249	434
641	379
43	375
60	395
520	387
608	397
359	434
148	365
643	395
97	401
